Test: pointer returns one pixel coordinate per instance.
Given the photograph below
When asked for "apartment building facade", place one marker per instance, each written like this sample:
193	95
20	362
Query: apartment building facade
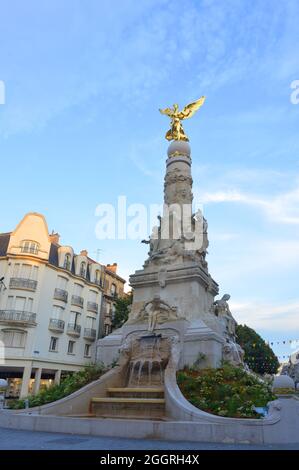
113	289
50	306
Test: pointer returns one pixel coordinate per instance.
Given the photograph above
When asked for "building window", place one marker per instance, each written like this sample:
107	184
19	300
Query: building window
57	312
71	347
113	290
87	350
90	323
78	290
29	246
67	262
97	277
62	282
83	269
9	302
93	296
53	344
75	318
14	338
20	304
25	271
30	305
107	329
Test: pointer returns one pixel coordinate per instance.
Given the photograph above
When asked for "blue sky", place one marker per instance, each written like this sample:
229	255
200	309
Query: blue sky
80	127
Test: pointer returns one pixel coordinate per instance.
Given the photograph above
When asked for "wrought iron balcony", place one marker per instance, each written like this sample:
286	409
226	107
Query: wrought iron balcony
92	307
56	325
73	329
77	300
22	283
18	317
60	294
90	333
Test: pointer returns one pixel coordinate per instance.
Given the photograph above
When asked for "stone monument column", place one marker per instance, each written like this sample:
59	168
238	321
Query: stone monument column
178	179
174	292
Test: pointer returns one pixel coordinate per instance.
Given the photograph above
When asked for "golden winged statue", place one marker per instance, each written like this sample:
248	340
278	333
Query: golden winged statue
177	132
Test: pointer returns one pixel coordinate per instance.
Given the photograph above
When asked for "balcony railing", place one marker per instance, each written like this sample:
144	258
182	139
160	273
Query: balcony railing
90	333
22	283
77	300
56	325
92	307
60	294
73	329
17	317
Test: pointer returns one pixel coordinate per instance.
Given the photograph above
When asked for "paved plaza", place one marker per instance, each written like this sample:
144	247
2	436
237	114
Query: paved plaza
11	439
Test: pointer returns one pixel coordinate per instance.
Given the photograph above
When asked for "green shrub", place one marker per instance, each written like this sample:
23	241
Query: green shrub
228	391
68	385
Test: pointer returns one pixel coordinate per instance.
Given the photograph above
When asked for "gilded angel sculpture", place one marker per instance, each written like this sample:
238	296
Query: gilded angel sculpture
177	132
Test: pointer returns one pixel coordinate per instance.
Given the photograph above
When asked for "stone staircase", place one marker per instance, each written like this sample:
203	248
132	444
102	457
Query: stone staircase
131	403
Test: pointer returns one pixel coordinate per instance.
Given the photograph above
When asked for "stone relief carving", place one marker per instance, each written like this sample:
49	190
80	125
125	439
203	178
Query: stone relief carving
167	251
155	312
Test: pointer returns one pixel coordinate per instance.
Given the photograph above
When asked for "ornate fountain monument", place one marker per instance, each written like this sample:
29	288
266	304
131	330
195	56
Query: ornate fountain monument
174	292
174	321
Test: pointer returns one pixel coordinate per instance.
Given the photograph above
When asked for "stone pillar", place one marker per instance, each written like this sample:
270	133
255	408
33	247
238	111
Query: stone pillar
36	387
177	190
178	179
25	381
57	377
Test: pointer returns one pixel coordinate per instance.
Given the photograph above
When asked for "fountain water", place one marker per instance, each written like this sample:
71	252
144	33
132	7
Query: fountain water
147	362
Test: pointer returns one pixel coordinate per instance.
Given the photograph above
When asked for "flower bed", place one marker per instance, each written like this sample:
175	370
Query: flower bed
228	391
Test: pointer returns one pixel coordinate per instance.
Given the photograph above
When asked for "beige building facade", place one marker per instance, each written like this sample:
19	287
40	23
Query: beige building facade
113	289
50	306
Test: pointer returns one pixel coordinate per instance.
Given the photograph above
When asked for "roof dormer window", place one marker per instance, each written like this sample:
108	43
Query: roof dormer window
83	269
67	262
29	246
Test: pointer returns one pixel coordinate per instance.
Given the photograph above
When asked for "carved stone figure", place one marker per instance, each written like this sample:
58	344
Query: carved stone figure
233	353
156	312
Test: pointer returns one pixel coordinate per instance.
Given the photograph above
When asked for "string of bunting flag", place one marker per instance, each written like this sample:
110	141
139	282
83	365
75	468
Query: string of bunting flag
286	341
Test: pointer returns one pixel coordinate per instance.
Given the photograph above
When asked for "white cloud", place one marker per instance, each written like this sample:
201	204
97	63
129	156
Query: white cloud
283	208
267	316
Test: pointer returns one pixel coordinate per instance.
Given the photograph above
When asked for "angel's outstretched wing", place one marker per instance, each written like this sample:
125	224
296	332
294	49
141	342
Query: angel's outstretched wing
167	111
191	108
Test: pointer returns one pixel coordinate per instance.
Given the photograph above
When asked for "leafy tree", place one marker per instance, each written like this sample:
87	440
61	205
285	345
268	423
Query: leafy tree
258	355
121	312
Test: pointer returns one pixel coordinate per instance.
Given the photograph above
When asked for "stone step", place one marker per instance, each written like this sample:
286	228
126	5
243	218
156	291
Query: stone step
136	390
156	417
139	401
123	407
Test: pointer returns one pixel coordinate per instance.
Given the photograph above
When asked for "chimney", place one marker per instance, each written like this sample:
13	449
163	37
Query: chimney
84	252
112	267
54	237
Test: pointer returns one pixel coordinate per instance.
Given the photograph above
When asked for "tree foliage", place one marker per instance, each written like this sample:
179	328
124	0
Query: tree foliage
258	355
121	312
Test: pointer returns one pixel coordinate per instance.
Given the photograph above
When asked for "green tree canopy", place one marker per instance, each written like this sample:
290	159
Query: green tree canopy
121	311
258	354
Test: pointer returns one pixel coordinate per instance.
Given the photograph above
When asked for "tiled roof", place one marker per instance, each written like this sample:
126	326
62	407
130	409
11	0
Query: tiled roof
4	241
